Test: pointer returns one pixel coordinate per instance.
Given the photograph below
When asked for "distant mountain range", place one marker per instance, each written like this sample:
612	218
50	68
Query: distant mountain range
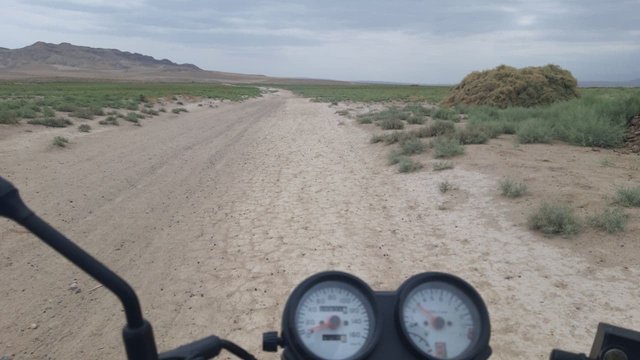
69	57
45	61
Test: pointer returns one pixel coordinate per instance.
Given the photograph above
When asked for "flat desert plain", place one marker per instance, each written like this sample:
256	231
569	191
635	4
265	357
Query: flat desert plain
215	215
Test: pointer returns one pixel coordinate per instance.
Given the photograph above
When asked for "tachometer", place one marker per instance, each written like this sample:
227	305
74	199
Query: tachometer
333	316
443	317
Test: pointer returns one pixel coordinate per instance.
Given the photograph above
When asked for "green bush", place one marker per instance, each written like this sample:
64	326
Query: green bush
439	127
84	113
444	147
391	124
446	114
531	131
406	164
445	186
48	112
84	128
134	117
554	219
179	110
394	157
51	122
60	141
417	110
442	165
391	138
110	120
610	220
512	189
412	146
472	134
8	117
416	120
64	107
628	196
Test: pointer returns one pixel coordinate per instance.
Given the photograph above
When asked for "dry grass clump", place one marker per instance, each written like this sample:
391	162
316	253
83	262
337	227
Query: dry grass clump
506	86
554	219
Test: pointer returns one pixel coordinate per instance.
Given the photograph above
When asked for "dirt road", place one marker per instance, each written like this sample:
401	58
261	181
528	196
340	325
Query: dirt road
214	216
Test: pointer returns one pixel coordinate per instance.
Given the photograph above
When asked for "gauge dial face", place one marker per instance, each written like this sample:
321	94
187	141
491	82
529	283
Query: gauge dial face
441	320
334	320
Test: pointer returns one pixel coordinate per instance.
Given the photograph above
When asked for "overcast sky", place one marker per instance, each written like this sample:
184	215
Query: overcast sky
412	41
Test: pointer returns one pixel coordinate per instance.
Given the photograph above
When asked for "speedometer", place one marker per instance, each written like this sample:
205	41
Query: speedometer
443	317
333	316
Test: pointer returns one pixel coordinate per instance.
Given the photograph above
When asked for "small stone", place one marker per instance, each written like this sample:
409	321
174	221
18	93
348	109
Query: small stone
75	287
33	326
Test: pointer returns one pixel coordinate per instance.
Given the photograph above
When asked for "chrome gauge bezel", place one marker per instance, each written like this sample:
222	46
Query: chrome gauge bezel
290	334
481	344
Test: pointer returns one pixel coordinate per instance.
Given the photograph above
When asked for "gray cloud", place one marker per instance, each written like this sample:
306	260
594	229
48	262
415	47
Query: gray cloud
403	40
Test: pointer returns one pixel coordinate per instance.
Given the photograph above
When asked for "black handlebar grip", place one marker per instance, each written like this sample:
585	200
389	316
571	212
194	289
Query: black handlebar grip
11	205
564	355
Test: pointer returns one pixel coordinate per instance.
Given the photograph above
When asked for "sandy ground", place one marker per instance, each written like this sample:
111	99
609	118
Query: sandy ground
215	215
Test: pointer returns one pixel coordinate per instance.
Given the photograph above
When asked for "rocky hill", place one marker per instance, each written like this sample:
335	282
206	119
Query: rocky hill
68	57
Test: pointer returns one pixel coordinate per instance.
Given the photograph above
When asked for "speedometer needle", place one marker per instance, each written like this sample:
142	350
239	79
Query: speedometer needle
436	321
331	323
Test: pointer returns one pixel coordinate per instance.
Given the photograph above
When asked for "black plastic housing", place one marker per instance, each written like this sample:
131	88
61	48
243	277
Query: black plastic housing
609	337
390	343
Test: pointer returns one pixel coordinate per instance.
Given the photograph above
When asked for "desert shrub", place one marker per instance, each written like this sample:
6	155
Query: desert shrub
84	113
60	141
48	112
26	112
442	165
417	110
84	128
531	131
416	120
445	186
51	122
412	146
446	114
554	219
628	196
134	117
110	120
64	107
472	134
395	137
179	110
439	127
391	124
610	220
394	157
148	111
506	86
8	117
444	147
163	110
131	105
594	131
406	164
377	138
512	189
